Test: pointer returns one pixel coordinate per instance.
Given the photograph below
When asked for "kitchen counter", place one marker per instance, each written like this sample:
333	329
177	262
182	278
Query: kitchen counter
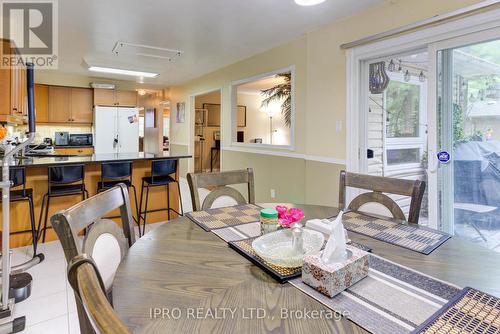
40	160
37	180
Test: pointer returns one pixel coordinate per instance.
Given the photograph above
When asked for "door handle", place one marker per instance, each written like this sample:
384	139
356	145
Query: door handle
433	163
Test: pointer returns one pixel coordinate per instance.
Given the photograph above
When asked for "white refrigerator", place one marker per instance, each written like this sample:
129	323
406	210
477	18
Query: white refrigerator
116	130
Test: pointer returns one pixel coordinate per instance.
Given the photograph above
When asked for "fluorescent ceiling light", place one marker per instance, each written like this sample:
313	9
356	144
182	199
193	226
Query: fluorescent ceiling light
308	2
123	72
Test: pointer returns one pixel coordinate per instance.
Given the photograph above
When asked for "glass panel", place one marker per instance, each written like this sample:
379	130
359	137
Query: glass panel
403	108
395	128
403	156
470	129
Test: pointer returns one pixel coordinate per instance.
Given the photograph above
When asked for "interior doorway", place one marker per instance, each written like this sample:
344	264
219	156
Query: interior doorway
207	132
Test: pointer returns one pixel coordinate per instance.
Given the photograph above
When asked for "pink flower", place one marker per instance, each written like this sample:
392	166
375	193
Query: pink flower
297	214
287	217
286	221
281	210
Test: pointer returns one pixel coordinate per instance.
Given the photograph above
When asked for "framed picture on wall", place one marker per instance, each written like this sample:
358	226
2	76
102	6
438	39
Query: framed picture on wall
213	115
180	115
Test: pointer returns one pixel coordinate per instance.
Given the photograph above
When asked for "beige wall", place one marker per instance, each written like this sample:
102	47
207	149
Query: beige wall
320	81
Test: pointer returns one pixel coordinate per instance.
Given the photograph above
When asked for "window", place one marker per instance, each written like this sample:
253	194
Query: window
263	110
405	121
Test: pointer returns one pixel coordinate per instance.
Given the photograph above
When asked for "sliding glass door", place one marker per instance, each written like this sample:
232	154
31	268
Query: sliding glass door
464	137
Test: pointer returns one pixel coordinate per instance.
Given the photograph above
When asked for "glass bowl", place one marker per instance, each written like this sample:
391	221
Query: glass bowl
276	247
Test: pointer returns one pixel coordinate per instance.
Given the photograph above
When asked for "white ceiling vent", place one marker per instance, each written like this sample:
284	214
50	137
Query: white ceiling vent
140	50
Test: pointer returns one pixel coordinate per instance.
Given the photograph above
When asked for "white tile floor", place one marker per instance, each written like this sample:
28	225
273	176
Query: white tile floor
51	307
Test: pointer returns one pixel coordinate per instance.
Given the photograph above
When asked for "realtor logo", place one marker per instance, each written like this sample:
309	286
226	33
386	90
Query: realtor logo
32	27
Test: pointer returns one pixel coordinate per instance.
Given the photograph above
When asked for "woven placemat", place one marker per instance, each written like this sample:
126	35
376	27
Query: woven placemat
225	217
416	238
281	274
472	311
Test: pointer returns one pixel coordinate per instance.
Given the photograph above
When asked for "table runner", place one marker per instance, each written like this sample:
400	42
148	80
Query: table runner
225	217
471	311
416	238
392	299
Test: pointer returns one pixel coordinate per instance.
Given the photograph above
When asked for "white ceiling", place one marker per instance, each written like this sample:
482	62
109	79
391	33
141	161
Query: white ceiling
211	33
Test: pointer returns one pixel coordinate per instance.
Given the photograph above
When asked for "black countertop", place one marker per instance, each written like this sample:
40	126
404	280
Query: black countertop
40	160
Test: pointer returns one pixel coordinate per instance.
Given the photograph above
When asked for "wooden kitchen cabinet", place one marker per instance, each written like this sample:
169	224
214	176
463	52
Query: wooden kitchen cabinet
59	104
42	103
13	91
81	105
70	105
114	98
126	98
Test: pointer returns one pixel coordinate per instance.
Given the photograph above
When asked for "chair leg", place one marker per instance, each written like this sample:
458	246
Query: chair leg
168	201
145	211
180	197
137	212
39	228
45	220
86	194
33	224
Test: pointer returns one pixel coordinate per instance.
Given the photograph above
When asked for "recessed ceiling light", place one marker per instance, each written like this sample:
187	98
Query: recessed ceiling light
308	2
132	73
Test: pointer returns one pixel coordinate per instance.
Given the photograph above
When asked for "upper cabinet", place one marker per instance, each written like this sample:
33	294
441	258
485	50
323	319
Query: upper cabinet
70	105
42	103
118	98
82	105
13	90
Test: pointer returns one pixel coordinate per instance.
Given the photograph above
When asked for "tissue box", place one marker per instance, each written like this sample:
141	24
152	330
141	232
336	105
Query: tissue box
335	278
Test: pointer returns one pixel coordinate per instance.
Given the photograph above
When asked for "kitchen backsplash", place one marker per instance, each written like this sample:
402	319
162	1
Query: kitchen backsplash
48	131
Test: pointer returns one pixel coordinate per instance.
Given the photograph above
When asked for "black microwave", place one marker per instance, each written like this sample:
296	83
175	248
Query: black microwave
80	139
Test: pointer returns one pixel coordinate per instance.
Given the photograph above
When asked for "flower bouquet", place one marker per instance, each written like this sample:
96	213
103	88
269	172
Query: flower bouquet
287	217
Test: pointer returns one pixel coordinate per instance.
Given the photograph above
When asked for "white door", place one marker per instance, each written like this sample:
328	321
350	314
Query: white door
465	191
105	130
128	130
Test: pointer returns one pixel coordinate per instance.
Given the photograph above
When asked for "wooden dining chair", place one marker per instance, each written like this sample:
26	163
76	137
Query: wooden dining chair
217	184
89	290
104	241
380	186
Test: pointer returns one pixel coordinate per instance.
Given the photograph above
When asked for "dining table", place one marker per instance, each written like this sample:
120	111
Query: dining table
178	278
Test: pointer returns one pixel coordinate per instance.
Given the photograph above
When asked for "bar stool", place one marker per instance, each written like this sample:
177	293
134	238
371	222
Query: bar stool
113	173
160	176
17	176
63	181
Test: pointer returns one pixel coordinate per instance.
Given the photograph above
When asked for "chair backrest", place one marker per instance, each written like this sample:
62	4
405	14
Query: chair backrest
66	174
116	170
89	291
218	184
380	185
104	241
163	167
100	233
17	176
